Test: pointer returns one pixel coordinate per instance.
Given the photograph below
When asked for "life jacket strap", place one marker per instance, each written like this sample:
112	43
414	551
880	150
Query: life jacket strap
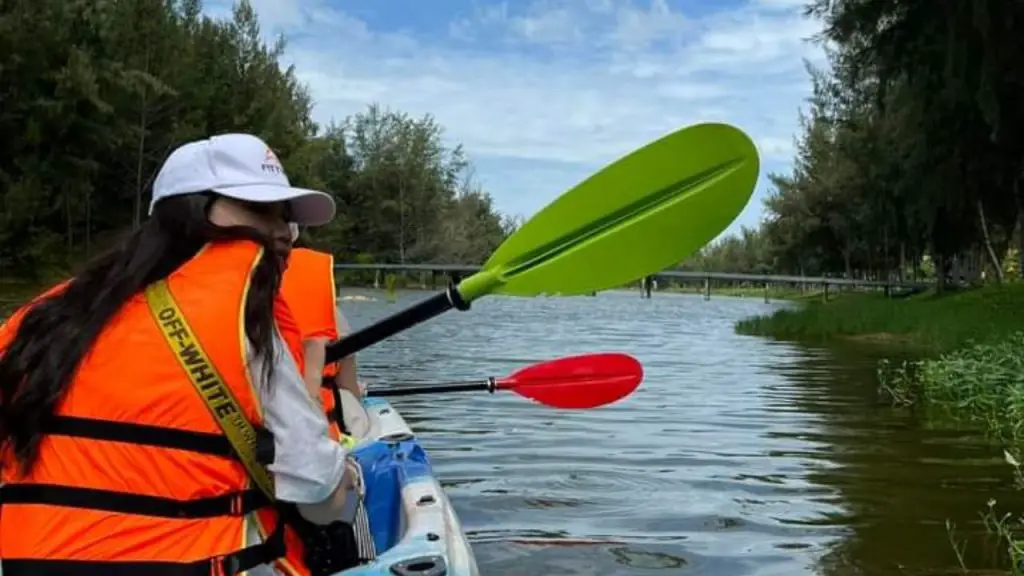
231	504
212	444
226	565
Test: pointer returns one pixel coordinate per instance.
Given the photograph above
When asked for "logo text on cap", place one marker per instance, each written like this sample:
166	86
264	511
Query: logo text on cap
271	164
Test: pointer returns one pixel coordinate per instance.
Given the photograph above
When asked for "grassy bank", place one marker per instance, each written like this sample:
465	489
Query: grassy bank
927	321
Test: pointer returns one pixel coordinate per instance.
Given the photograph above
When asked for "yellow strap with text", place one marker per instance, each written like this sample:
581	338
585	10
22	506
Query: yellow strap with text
208	382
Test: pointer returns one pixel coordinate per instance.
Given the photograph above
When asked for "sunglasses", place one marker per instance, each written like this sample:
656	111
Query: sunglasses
281	210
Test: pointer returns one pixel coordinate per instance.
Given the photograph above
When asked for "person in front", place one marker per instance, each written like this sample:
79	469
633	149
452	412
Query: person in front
308	287
153	414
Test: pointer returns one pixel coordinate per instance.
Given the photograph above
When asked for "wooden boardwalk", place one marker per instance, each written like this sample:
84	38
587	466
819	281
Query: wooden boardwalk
647	285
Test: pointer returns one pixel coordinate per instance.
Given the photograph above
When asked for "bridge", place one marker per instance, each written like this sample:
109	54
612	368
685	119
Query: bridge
454	272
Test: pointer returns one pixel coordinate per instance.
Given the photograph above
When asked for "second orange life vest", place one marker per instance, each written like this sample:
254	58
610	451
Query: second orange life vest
308	287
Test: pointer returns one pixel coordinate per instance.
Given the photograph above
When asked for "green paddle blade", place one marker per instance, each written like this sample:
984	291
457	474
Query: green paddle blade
644	213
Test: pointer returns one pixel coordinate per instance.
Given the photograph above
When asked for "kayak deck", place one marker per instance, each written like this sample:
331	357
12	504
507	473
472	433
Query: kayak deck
414	527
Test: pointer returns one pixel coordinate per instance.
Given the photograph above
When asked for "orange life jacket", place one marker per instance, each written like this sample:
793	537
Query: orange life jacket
135	476
308	287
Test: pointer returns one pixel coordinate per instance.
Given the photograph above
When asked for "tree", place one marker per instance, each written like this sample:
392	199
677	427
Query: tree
97	93
912	147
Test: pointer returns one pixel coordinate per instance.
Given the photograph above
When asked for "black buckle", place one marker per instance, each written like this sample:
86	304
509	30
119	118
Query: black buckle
229	565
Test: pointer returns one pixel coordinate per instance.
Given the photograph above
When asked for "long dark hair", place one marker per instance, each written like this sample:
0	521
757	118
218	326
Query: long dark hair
56	332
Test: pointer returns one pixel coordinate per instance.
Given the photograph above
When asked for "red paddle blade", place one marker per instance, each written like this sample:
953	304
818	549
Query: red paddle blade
577	382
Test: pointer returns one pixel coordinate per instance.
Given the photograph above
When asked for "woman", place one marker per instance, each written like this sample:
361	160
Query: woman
308	287
120	392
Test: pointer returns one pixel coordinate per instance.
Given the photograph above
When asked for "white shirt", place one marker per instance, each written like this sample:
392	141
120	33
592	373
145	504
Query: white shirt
308	465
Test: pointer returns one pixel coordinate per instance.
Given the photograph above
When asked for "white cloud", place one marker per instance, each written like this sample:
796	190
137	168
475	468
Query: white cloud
570	83
637	29
782	4
776	147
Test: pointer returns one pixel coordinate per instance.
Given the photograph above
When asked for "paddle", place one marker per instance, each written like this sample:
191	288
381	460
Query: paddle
637	216
575	382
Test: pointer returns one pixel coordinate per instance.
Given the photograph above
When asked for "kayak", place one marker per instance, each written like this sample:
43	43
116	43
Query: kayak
414	527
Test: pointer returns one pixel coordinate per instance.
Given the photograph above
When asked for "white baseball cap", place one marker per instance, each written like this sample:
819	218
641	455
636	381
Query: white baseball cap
239	166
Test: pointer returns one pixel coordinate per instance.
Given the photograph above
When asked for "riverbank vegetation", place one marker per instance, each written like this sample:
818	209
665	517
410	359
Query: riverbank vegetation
930	323
96	94
981	382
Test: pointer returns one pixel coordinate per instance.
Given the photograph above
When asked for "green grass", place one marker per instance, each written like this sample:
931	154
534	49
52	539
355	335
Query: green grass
929	321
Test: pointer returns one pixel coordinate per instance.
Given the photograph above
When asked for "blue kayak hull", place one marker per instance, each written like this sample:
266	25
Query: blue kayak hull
414	527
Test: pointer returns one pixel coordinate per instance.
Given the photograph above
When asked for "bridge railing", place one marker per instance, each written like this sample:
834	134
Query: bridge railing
708	277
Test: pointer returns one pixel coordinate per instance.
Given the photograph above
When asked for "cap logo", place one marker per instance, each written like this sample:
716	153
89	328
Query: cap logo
271	164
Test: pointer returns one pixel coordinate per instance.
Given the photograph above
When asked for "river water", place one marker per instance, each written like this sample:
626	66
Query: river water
737	455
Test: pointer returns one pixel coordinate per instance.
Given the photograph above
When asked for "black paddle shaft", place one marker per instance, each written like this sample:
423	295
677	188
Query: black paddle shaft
374	333
488	385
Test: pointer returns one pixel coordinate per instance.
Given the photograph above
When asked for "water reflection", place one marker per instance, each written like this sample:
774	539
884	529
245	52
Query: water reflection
737	455
901	480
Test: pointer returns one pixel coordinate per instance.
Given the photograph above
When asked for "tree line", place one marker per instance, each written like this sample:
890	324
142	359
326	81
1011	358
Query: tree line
95	93
911	151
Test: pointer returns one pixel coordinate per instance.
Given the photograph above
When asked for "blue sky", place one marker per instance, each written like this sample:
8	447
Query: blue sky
543	93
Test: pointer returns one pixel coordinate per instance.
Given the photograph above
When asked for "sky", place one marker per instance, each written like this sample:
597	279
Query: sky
542	93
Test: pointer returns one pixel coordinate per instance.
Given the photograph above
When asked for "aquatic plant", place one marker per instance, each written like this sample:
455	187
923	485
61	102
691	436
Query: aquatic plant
1006	526
390	284
981	384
